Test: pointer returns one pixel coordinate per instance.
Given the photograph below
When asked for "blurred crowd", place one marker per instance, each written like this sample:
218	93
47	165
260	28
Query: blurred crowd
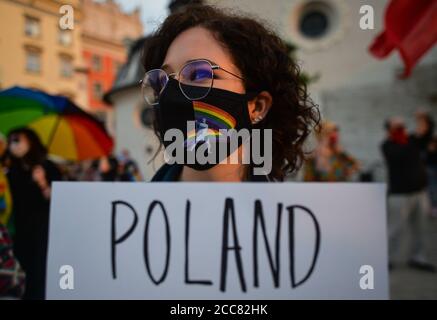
411	163
329	161
27	174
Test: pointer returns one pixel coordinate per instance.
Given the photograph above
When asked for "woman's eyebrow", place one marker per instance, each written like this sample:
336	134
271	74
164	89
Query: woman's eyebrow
166	68
210	61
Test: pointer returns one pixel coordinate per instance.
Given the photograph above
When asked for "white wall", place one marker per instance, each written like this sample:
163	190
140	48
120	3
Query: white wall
131	135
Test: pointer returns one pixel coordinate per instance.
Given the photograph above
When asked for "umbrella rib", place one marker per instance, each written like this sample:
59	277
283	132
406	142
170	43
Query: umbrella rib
53	131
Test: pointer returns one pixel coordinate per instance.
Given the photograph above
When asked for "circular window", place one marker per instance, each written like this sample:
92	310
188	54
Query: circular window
314	24
316	20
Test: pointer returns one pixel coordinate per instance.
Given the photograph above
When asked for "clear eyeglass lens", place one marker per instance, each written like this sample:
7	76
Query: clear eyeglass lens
196	79
153	83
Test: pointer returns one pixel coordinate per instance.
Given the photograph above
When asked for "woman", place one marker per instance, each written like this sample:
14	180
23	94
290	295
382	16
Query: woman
205	61
30	174
329	162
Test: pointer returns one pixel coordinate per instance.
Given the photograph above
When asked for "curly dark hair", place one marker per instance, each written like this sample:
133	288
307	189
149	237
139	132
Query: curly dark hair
263	59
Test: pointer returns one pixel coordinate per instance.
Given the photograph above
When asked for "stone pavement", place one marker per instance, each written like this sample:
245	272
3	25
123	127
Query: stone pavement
406	283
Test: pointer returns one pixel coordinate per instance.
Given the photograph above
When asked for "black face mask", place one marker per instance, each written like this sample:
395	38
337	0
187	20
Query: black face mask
220	109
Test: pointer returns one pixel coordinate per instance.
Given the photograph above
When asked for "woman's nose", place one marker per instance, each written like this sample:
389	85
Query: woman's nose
173	75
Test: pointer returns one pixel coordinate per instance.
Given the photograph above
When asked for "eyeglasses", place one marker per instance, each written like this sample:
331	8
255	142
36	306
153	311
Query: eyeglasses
196	78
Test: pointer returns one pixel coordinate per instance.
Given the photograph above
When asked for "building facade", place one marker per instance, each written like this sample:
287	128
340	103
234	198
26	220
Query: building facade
106	35
36	52
352	88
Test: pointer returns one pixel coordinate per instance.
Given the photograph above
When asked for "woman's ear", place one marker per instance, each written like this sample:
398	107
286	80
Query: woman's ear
260	106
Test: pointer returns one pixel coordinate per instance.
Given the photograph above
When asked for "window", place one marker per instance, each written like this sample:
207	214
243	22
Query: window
96	63
65	37
33	61
314	24
97	90
32	27
66	66
316	19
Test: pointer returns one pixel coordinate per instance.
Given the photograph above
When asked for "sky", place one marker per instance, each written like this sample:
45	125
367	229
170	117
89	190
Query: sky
152	11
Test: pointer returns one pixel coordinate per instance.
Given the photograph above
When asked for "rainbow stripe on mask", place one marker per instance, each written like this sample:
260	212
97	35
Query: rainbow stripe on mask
214	117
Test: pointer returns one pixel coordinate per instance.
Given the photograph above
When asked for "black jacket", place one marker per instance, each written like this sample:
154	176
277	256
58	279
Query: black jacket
406	165
31	219
171	172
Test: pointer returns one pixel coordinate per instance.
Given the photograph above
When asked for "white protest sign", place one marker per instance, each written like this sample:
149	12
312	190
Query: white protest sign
217	241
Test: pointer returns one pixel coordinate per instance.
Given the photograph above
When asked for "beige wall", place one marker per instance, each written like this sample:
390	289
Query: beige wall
13	42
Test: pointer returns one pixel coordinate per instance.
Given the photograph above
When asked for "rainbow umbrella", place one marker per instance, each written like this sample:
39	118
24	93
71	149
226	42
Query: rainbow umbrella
65	129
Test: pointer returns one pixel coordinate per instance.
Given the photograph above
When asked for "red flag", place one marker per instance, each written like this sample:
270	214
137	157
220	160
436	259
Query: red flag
411	28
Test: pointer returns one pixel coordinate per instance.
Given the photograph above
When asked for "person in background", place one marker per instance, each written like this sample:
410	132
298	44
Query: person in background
108	168
329	161
89	171
408	202
431	162
128	168
12	277
5	195
30	175
424	131
424	137
5	202
70	171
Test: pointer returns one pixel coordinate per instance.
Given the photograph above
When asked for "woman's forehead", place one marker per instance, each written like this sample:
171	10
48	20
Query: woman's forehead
195	43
